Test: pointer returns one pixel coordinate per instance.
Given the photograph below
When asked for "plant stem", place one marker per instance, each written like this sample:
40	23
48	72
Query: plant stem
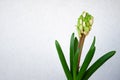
80	45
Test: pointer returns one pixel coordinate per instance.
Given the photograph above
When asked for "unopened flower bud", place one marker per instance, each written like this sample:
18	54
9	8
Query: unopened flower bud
85	22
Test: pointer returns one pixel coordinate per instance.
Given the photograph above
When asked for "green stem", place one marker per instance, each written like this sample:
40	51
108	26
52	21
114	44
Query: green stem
80	45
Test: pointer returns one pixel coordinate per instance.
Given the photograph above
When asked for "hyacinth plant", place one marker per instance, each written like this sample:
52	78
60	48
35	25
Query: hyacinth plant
76	71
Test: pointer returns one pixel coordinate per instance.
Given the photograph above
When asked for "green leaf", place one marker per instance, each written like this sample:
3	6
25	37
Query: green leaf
75	64
97	64
63	61
71	52
87	60
75	44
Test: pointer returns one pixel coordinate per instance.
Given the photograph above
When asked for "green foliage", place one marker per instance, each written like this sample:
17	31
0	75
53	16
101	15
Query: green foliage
71	52
75	64
75	44
84	72
87	61
63	61
97	64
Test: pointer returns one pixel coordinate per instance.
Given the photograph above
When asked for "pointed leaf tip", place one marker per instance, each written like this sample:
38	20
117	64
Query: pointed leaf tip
73	33
94	40
56	41
113	51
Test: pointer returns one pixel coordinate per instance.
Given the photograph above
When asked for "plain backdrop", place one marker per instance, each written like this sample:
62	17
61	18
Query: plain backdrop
29	28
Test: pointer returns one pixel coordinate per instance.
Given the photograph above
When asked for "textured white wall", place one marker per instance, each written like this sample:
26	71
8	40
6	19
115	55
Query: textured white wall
28	29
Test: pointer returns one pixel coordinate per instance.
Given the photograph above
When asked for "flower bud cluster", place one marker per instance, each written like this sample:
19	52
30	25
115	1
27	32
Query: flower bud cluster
84	23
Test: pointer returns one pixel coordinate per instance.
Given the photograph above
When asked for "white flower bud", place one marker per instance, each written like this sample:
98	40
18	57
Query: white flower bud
81	21
84	14
84	24
91	21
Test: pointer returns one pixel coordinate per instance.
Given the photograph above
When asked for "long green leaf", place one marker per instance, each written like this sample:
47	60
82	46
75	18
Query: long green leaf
75	64
87	60
75	44
97	64
63	61
71	52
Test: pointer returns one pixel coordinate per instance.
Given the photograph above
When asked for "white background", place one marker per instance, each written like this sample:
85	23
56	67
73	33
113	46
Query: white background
28	29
